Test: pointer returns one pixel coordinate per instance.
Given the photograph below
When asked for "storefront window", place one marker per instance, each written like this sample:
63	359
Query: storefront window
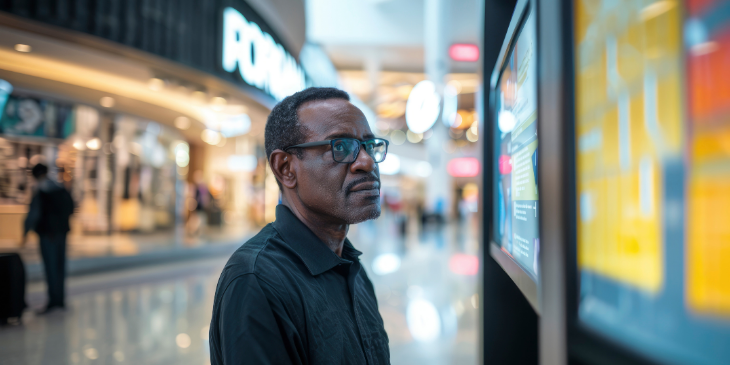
124	172
146	189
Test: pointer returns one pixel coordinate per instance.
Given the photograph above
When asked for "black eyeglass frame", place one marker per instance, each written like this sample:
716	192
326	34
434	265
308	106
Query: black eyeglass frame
332	142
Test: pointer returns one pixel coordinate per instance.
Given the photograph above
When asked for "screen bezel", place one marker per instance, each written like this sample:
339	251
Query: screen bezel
527	282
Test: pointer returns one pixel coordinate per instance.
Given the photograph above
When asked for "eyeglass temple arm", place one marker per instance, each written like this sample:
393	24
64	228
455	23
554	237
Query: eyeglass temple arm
310	144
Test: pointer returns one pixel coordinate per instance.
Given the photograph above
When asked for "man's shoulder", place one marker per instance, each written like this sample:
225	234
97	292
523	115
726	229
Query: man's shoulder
244	259
265	259
263	253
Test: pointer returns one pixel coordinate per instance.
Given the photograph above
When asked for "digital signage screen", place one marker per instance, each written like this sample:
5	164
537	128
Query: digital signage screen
515	188
652	125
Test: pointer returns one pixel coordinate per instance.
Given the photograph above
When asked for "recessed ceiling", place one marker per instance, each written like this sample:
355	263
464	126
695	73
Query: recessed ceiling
389	32
89	76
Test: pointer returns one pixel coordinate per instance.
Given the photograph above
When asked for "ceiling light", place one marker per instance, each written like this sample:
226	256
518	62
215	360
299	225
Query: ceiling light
79	144
93	144
107	101
471	136
414	137
199	96
397	137
23	48
156	84
182	158
211	137
182	123
218	102
183	340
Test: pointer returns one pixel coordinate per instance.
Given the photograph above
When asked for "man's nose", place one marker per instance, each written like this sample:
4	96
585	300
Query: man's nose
364	162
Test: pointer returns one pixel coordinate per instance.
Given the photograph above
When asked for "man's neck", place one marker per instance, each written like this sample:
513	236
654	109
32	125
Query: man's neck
333	235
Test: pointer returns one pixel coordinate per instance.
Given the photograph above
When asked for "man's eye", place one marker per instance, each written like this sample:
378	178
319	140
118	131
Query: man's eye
339	148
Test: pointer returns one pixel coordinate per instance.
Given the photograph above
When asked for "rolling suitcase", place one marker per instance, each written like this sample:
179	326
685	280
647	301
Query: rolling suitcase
12	287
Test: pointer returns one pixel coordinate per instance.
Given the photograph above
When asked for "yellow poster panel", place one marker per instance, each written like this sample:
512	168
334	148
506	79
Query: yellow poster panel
628	63
708	231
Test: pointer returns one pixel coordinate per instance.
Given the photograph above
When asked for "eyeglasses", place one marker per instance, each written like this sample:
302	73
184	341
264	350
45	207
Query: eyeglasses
345	150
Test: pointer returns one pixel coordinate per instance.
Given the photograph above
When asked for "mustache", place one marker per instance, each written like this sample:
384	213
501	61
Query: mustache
365	179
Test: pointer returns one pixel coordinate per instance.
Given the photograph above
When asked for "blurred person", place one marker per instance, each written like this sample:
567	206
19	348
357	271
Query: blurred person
296	293
198	221
49	213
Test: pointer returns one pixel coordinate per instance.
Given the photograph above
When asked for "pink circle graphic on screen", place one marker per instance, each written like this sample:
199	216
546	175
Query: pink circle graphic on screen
505	165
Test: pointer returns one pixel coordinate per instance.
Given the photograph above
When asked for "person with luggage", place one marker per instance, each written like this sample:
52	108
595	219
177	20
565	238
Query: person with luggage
50	209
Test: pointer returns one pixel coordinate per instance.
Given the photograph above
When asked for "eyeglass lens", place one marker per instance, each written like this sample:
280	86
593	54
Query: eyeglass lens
376	148
346	149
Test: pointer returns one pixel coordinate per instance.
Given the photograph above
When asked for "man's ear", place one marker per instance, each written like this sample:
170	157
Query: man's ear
281	164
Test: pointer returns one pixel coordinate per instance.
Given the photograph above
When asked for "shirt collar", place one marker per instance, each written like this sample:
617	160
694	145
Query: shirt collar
314	253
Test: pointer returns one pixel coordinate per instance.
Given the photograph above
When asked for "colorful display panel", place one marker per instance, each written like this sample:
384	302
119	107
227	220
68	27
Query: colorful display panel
708	81
652	107
516	193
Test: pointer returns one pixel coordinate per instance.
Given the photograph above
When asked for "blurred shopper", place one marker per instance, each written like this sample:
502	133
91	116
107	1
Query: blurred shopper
296	293
48	216
198	221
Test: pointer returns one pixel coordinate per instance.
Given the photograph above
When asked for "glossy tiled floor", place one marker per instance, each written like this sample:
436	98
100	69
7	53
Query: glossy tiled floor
426	287
128	244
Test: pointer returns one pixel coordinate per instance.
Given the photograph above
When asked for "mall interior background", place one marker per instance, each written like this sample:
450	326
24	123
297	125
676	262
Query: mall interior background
152	115
131	131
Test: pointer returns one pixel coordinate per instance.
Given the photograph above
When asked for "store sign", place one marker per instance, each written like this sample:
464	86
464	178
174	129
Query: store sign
463	167
423	107
261	61
5	90
464	52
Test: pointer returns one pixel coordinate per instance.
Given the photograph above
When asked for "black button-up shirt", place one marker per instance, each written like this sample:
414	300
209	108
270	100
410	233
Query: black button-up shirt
285	298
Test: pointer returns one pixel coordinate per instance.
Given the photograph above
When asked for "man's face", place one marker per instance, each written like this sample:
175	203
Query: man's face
348	193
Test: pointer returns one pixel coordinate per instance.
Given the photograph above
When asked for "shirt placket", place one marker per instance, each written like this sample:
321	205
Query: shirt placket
354	270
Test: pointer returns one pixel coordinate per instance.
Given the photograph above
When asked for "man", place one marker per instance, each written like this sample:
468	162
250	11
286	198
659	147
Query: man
296	292
48	216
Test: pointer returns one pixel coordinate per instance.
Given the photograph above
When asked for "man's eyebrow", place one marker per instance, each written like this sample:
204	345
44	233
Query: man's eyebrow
348	135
